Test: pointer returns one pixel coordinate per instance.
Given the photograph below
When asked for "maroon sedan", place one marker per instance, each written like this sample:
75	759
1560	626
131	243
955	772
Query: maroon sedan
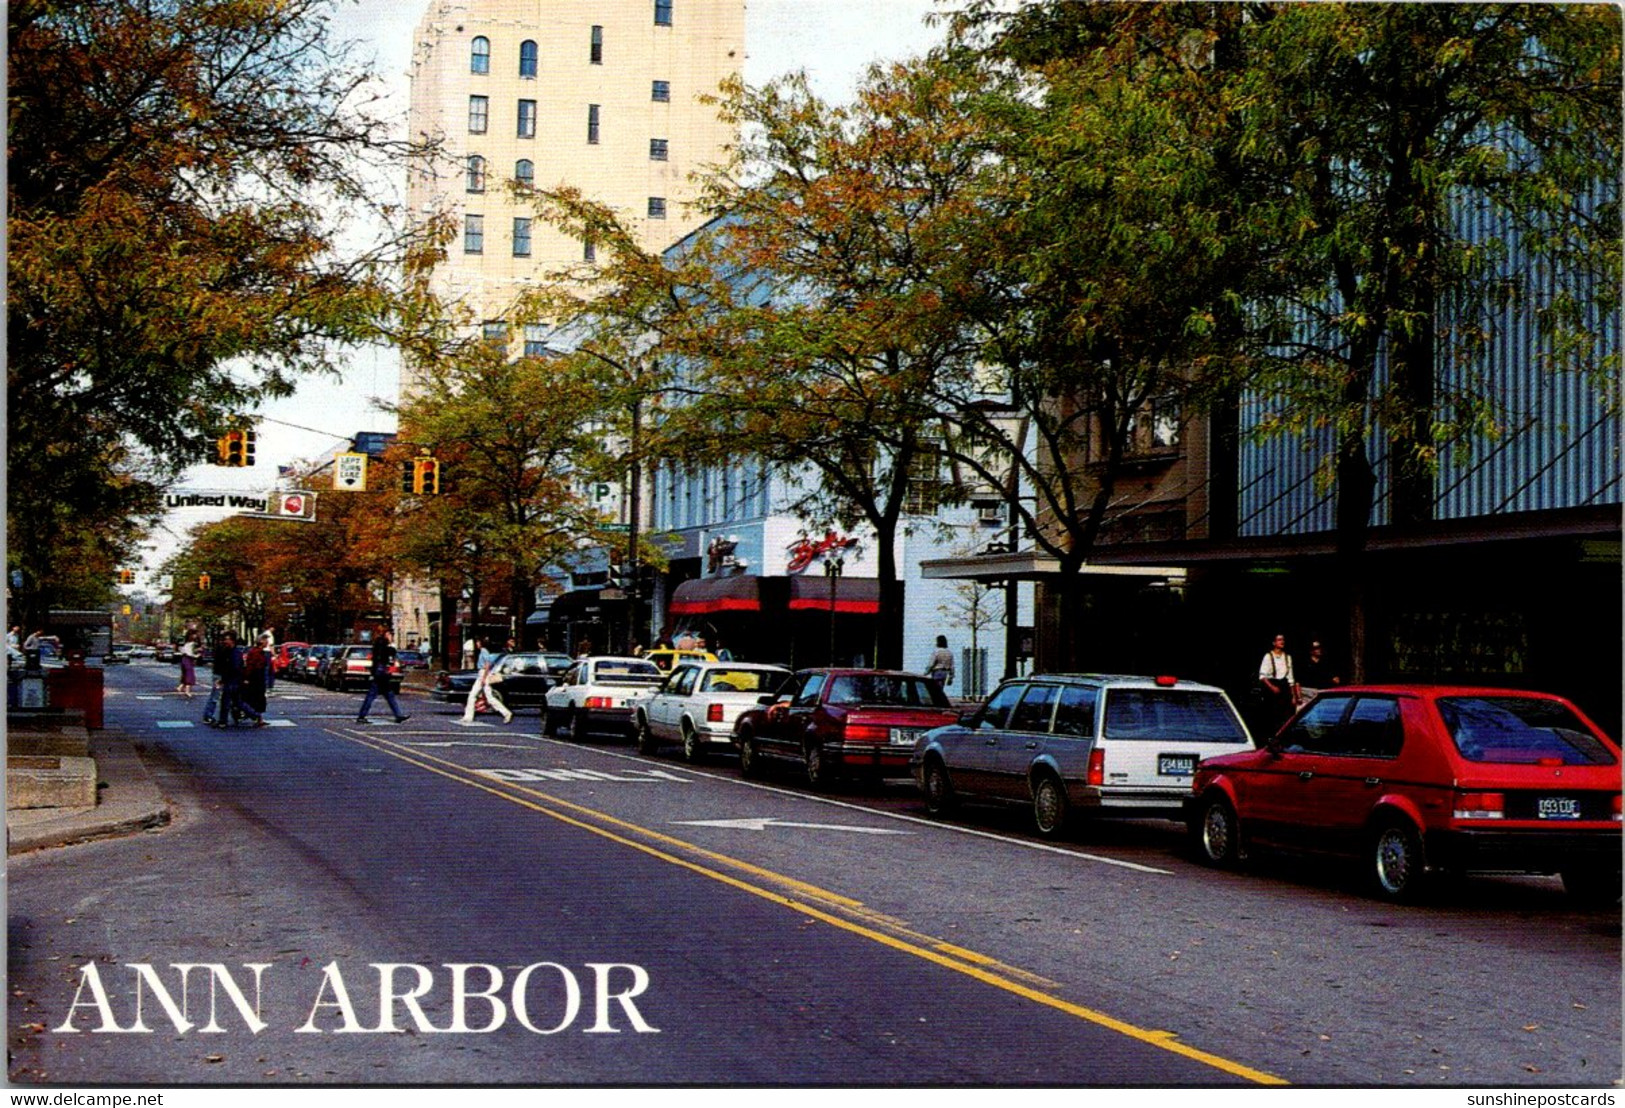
1419	780
836	722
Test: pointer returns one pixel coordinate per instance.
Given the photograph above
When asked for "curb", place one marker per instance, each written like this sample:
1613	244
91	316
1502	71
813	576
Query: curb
128	801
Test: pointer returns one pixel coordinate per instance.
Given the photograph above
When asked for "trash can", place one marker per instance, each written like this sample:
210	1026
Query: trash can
76	685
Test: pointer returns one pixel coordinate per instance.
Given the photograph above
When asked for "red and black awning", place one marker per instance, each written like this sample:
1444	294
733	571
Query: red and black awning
708	595
854	595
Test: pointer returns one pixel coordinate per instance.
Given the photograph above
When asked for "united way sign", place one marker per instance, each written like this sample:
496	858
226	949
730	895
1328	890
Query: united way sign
286	504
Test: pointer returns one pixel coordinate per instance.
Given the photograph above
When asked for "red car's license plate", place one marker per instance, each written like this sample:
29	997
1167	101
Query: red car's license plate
1557	807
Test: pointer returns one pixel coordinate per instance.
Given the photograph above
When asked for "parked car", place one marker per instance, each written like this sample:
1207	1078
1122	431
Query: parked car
667	657
697	704
119	653
525	681
1419	780
164	652
285	656
558	664
413	659
1067	744
351	668
836	722
315	661
594	695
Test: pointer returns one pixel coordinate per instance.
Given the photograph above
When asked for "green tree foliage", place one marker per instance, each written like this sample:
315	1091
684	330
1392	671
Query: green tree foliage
178	175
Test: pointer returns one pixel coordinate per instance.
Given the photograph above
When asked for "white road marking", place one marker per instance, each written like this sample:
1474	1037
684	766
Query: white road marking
643	776
765	822
455	742
174	724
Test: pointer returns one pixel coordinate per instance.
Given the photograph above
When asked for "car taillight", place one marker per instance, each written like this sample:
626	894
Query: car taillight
1480	806
1097	766
867	733
713	713
600	702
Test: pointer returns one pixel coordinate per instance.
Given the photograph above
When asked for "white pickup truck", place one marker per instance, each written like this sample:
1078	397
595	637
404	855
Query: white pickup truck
698	702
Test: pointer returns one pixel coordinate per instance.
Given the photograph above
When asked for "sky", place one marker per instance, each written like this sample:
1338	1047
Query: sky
834	41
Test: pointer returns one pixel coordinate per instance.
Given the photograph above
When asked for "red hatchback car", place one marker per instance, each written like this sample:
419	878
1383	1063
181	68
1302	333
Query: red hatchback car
1421	780
837	722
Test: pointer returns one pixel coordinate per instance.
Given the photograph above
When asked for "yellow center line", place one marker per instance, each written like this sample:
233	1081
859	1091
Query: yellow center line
943	954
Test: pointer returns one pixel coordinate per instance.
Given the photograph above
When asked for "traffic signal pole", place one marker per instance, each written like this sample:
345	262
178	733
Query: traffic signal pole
634	511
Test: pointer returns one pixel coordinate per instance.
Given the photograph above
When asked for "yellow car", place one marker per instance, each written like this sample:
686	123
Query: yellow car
665	657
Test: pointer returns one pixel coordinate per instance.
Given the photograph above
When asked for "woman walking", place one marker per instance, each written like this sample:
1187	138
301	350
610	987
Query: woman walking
188	653
483	686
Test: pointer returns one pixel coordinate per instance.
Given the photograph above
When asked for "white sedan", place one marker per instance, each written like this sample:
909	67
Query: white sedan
595	695
698	703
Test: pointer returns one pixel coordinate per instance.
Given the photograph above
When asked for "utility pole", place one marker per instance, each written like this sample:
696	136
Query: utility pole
634	511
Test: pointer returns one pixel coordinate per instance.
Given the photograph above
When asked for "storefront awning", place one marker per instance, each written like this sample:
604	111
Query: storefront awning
855	595
707	595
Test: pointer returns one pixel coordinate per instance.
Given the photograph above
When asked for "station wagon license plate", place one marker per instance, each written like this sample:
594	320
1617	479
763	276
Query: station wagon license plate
1176	765
1557	807
905	736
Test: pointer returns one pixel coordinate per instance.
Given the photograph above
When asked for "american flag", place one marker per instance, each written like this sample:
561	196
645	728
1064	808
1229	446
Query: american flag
284	471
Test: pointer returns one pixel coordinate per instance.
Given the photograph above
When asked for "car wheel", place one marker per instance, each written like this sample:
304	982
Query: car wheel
818	774
568	728
1216	833
1049	805
645	737
1398	868
749	761
692	751
1595	886
939	791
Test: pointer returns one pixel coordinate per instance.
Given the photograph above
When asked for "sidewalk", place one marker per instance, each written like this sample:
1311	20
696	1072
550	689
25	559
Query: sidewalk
128	801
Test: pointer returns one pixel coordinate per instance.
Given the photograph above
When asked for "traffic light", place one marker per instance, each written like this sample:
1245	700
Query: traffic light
126	576
203	582
421	476
236	448
249	437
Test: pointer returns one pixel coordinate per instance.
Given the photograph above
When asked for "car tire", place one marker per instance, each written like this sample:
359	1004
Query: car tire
1215	833
1049	806
818	774
1593	886
645	737
569	725
693	752
1398	867
750	765
938	789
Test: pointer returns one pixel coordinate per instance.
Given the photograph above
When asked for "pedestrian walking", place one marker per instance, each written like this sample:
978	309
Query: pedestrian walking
1278	683
188	657
483	688
941	665
255	663
227	699
1315	674
269	642
384	666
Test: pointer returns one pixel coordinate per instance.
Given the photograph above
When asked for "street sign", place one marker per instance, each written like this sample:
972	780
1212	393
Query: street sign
350	472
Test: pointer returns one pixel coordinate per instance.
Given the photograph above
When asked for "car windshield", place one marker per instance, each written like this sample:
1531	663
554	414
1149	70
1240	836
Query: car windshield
360	652
627	673
888	689
741	680
1171	714
1521	730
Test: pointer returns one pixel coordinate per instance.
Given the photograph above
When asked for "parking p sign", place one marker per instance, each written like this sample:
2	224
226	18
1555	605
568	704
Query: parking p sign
350	473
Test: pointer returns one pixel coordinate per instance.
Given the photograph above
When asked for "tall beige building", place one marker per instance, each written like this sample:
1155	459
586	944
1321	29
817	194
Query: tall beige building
599	94
602	95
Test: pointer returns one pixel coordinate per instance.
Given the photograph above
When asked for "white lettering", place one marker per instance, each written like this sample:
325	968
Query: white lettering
640	982
521	1007
219	975
89	976
387	996
460	996
341	1000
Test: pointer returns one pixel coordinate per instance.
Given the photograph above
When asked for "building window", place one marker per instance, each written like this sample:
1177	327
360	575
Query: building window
476	173
592	124
524	171
535	340
589	250
527	58
479	110
660	92
495	332
657	150
662	13
479	55
1156	427
657	207
596	53
473	234
521	236
527	119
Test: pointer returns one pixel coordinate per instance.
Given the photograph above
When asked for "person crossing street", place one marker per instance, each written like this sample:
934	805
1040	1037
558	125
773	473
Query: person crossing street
383	667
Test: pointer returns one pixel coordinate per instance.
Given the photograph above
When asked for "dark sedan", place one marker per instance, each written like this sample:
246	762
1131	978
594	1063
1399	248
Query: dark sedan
843	721
525	681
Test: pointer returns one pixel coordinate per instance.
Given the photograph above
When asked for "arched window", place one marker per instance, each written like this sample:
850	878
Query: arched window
524	171
527	58
476	173
479	55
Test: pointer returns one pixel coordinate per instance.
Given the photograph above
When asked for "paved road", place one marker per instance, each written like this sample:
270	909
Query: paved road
757	934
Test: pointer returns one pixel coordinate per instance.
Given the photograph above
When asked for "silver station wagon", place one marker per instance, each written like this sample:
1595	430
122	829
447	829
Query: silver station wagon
1086	744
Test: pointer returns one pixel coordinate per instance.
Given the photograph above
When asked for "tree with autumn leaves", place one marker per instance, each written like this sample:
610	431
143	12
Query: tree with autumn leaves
178	178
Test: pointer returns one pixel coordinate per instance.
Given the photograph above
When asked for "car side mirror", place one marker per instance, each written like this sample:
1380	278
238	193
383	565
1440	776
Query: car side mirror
766	700
968	718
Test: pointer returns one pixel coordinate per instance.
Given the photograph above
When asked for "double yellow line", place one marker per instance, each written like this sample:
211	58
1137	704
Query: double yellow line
820	904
